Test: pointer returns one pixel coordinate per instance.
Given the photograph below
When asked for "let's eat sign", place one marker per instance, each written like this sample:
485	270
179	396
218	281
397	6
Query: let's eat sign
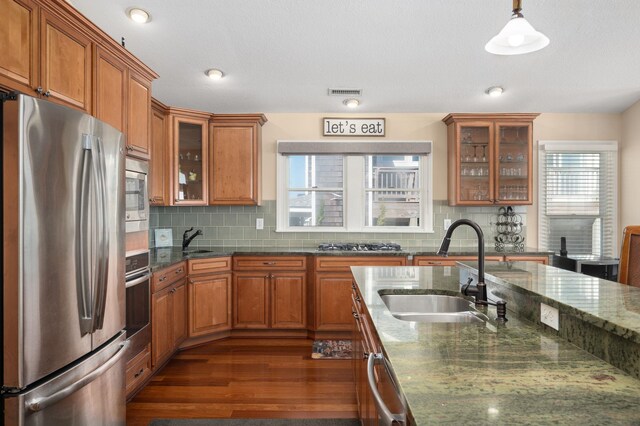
353	127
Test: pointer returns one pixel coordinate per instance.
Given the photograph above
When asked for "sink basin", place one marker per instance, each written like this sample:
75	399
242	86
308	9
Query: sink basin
432	308
198	251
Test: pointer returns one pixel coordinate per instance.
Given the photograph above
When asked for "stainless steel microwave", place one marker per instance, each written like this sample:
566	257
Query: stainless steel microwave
137	200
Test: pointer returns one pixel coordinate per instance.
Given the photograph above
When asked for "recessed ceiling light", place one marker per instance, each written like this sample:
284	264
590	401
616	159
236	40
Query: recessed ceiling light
517	37
138	15
214	74
351	103
494	91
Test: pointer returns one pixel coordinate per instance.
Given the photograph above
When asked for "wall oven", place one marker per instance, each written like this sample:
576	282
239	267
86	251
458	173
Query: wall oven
137	201
138	301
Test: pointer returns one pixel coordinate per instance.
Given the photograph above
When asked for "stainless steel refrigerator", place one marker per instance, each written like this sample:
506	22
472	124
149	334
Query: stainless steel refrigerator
63	296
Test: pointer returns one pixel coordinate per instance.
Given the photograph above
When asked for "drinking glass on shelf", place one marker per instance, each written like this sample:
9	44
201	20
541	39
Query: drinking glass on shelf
484	153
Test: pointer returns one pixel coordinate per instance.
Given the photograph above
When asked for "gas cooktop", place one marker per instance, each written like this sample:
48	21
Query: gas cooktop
359	247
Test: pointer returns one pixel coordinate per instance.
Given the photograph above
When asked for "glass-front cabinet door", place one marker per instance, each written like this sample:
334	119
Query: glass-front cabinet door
190	169
474	162
514	165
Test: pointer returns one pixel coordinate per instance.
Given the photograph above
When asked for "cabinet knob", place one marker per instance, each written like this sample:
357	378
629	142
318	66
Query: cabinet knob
162	279
138	373
39	90
47	93
173	290
179	271
355	314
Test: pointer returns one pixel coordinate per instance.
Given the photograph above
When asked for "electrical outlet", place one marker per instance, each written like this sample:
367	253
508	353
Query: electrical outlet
549	316
447	224
259	223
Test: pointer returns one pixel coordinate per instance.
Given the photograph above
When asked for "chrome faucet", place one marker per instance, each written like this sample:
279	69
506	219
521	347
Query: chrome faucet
186	239
481	295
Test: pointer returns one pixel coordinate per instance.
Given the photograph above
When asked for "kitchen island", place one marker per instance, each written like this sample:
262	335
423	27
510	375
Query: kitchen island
488	372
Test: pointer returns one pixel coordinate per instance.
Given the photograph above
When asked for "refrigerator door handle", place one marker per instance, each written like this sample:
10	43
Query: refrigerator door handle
99	169
40	403
84	272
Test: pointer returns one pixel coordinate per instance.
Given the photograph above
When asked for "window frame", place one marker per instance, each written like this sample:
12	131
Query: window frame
354	196
579	146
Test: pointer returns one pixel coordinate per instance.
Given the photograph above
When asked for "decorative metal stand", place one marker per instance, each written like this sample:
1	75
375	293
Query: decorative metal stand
509	227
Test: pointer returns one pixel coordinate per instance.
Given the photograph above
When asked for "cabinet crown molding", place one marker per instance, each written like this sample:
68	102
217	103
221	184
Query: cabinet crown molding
239	118
511	116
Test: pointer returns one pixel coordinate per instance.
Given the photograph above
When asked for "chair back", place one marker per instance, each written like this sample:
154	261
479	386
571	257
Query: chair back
629	271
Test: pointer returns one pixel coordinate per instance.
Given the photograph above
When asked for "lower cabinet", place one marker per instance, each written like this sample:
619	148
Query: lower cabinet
137	370
367	342
168	312
209	296
332	288
451	260
268	298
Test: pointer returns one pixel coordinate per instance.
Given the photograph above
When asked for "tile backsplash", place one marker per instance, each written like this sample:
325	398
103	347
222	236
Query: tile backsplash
235	226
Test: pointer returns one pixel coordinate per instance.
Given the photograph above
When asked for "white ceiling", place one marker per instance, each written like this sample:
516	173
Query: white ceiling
406	55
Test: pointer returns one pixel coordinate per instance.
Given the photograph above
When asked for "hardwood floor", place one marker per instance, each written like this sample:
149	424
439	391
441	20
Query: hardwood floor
247	378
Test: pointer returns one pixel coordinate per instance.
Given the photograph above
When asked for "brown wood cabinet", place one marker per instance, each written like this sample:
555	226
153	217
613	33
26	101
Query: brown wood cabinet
19	62
160	155
168	312
139	115
366	341
111	89
65	63
235	159
332	288
490	159
267	297
209	296
137	371
49	50
190	160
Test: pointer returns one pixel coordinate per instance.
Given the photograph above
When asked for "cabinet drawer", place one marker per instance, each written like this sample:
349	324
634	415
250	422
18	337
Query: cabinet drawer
247	263
342	264
206	266
167	276
544	260
138	369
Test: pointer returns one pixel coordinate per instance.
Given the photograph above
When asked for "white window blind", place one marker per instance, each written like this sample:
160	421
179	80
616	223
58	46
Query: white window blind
578	196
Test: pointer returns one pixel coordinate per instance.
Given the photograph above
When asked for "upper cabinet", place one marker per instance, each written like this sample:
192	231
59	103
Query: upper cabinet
49	50
490	159
235	157
190	156
41	54
159	163
139	115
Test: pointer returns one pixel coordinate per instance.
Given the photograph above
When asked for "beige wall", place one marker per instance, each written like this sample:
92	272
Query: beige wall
430	127
567	127
629	168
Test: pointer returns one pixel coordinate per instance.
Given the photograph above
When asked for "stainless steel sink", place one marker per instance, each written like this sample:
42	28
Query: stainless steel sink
432	308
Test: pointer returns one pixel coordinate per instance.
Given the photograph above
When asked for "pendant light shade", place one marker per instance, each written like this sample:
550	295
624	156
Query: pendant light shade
517	37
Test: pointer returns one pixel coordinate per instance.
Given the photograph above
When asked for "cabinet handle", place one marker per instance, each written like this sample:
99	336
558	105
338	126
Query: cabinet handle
268	263
173	290
434	263
47	93
353	285
39	90
358	299
135	376
179	271
355	314
162	279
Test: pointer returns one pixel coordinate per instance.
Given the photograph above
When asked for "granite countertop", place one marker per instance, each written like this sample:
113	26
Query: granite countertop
167	256
513	373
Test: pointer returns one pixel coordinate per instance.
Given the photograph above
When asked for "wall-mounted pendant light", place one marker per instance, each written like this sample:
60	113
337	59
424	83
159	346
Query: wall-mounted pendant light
517	37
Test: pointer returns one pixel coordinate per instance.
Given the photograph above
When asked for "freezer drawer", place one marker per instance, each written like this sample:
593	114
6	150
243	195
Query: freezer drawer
91	393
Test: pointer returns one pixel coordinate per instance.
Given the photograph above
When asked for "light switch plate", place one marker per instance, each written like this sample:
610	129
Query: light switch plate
549	316
447	224
259	223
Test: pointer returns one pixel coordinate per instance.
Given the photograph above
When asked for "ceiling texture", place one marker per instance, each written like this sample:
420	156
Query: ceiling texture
405	55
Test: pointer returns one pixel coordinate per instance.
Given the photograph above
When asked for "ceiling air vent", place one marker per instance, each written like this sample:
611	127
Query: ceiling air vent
345	92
